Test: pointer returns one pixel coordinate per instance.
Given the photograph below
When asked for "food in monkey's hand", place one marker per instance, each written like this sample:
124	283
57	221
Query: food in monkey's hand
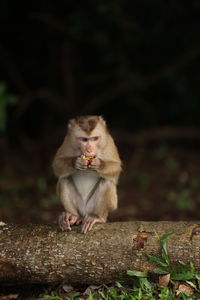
88	159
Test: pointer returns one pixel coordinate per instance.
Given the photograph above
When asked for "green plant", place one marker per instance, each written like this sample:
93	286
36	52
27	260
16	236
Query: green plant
163	262
142	284
56	296
182	272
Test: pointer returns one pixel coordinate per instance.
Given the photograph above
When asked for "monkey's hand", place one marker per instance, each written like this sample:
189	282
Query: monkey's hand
81	163
66	219
89	221
95	163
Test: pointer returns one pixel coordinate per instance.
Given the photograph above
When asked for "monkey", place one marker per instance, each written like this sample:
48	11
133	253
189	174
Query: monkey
88	166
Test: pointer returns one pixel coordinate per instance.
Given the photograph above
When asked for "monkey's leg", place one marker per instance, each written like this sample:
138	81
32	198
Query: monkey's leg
101	202
70	199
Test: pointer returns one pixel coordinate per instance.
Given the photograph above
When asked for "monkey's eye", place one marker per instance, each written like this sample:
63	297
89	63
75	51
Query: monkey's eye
94	138
83	139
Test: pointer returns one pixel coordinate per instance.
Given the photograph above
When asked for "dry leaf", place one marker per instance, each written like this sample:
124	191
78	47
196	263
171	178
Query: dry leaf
91	289
184	288
164	280
140	239
67	288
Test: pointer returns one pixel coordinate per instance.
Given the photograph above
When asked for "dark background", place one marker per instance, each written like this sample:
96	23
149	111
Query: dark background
134	62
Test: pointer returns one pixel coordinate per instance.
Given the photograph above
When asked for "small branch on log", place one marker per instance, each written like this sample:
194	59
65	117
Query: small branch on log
41	253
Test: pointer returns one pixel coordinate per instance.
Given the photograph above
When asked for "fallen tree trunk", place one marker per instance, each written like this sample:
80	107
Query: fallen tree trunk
41	253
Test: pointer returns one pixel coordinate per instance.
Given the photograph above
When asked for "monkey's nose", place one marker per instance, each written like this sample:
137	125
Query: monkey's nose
89	151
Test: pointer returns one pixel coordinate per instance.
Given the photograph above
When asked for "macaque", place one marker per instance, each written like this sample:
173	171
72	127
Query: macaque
87	165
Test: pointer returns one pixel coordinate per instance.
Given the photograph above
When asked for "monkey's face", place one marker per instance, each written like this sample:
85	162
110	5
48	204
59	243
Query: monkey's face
88	135
88	145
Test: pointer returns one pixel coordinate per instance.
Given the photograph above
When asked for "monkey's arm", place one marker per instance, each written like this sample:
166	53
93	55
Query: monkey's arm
64	160
109	169
109	162
63	166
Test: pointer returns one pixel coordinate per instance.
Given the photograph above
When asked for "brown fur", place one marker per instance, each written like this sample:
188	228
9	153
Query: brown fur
87	123
104	197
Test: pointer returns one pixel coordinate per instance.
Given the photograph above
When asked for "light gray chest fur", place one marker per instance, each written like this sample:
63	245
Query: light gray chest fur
85	182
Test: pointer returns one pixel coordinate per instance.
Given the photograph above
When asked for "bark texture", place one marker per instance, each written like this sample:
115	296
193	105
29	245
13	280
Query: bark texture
41	253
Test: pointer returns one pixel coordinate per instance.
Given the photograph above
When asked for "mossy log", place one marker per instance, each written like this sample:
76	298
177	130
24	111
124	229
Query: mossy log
44	254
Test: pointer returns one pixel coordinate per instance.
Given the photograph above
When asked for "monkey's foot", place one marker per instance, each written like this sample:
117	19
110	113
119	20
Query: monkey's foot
66	220
88	222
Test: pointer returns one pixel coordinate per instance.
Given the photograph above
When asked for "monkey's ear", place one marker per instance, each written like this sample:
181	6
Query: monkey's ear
71	124
102	120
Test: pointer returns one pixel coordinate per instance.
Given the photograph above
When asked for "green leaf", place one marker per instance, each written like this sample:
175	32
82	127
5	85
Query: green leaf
136	273
191	284
163	243
113	292
192	267
164	293
161	271
102	295
156	260
165	236
180	262
165	256
183	276
75	295
197	277
90	297
145	284
118	284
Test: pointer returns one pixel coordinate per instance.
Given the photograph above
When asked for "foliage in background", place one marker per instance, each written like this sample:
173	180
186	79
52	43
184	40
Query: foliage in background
137	63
